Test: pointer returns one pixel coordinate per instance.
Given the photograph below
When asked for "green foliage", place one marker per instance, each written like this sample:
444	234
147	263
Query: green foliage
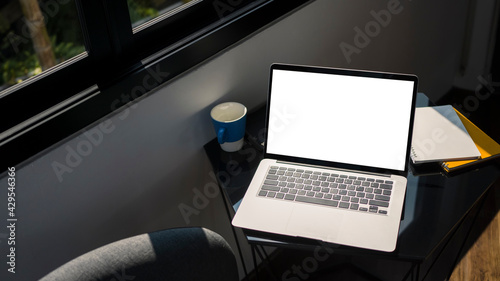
64	24
140	10
4	24
25	64
66	50
19	68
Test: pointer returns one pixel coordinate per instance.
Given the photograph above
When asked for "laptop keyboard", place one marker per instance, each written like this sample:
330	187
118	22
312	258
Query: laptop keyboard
358	193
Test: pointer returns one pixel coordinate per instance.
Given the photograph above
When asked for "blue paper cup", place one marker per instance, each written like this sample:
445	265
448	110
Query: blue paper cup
229	120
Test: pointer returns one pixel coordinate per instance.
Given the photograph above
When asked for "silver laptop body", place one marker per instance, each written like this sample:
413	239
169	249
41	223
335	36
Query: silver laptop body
335	157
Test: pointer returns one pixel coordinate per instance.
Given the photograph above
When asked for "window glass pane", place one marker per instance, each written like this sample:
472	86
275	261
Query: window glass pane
35	36
144	10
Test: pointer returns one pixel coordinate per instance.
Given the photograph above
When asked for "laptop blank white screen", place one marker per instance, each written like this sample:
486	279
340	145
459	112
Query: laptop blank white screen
339	118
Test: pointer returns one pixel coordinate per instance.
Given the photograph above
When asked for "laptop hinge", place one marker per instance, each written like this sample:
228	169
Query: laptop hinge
334	168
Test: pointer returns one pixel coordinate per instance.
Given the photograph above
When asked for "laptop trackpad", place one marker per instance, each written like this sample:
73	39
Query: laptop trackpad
305	222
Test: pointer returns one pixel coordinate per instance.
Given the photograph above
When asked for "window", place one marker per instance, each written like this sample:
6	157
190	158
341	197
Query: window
101	49
36	36
142	11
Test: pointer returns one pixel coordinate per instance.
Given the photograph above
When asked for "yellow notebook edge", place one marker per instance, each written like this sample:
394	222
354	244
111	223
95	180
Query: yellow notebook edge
488	147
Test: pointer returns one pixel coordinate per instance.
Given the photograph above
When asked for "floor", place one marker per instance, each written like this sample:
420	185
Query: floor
480	258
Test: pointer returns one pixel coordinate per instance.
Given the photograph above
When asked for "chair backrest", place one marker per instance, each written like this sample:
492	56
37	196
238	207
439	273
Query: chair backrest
174	254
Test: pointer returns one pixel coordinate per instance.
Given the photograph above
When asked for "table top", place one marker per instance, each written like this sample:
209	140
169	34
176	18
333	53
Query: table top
435	202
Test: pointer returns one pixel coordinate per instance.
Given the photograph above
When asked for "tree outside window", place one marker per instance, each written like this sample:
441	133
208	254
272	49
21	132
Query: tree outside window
35	36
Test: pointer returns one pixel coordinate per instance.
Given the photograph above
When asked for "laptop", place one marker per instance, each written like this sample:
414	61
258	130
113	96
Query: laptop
335	157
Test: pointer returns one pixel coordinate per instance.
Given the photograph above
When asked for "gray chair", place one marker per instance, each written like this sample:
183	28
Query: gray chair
175	254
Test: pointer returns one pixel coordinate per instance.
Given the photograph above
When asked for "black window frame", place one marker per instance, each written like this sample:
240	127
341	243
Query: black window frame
58	103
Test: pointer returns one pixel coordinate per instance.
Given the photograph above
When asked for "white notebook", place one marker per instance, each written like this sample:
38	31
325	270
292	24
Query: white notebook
439	135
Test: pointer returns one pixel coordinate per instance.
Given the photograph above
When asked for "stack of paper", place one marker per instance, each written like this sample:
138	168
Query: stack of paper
439	135
488	148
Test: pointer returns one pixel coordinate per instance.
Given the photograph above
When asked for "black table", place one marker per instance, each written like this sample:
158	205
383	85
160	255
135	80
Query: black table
438	213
